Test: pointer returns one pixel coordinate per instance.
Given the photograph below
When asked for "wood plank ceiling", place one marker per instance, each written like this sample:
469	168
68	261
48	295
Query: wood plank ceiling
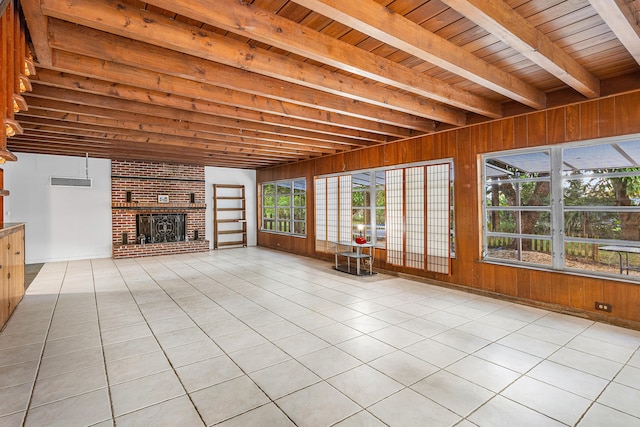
267	82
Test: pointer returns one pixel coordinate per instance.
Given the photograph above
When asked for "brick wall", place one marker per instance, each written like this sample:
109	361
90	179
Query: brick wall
147	181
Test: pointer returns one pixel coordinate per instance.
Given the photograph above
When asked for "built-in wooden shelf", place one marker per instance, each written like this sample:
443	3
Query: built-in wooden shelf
4	193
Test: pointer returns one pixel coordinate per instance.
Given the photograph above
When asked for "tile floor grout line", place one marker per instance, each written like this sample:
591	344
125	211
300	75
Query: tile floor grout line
295	358
104	360
159	345
192	273
609	382
44	344
227	354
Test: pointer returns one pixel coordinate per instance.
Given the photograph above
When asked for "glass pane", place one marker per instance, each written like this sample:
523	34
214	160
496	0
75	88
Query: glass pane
268	201
602	191
269	224
268	213
268	189
300	199
502	221
300	186
523	165
361	181
598	258
519	194
523	250
284	226
284	213
360	199
299	214
594	157
358	217
501	194
284	188
299	228
284	200
523	222
380	217
603	225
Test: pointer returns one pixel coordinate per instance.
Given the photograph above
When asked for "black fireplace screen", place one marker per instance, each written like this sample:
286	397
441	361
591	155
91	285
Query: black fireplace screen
161	228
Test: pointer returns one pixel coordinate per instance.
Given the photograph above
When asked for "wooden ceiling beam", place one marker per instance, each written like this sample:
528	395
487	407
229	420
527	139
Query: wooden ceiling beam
146	100
117	133
147	144
377	21
164	126
59	109
255	23
110	16
129	128
505	23
165	70
150	80
53	146
161	113
37	24
620	18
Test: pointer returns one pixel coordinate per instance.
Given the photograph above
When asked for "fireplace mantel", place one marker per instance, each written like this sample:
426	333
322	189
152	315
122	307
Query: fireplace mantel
136	188
158	206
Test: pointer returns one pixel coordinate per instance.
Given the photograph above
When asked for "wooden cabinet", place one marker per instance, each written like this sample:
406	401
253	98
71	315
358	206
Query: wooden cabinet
11	269
229	216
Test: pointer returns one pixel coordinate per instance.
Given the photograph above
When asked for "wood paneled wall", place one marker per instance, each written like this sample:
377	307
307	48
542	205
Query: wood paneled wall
613	116
15	67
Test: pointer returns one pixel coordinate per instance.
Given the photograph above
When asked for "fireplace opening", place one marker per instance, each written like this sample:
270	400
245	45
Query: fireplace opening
160	228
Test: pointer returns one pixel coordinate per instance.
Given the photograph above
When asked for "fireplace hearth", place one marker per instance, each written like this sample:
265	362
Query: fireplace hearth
160	228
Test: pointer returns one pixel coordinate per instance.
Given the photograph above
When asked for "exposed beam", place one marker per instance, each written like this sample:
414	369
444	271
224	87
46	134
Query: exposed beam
164	126
381	23
135	74
248	140
37	24
513	29
137	142
300	117
110	16
55	146
619	16
217	77
179	120
57	79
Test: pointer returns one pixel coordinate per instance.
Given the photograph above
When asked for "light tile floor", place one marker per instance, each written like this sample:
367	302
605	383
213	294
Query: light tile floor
253	337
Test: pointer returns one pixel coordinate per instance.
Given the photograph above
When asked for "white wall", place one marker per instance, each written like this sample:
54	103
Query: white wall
62	223
66	223
233	176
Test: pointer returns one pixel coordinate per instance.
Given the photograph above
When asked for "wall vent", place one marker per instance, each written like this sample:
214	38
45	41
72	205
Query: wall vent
71	182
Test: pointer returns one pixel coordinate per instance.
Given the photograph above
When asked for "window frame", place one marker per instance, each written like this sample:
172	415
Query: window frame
291	207
559	175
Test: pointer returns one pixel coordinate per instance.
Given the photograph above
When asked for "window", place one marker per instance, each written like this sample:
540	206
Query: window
565	207
368	206
407	210
284	207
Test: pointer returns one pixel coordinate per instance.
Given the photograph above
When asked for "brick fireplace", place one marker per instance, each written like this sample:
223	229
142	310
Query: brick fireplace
150	201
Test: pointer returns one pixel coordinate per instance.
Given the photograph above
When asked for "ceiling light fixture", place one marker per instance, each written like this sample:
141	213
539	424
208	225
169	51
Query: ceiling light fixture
25	84
19	104
29	67
12	128
7	155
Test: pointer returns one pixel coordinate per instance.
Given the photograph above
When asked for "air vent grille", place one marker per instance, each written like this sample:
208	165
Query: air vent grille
71	182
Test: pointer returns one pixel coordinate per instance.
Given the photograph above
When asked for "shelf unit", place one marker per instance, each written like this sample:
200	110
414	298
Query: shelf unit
229	216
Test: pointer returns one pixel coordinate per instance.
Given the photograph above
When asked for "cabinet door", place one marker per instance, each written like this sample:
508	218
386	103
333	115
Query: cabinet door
4	283
16	268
